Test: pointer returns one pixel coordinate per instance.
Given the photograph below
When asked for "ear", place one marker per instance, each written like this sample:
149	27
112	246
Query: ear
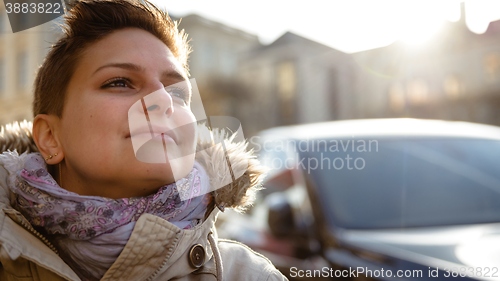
45	136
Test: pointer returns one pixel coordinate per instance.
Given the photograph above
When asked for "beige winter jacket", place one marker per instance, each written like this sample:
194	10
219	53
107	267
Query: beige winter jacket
156	250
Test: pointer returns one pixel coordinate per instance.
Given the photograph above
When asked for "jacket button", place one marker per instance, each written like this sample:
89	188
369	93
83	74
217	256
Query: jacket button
196	256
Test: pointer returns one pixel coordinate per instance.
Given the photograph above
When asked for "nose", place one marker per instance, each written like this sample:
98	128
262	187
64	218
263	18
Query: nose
158	102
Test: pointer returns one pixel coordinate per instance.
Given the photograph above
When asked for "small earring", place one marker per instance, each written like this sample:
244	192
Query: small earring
50	157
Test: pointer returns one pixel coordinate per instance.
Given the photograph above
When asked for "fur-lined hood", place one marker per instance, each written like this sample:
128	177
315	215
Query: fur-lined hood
238	194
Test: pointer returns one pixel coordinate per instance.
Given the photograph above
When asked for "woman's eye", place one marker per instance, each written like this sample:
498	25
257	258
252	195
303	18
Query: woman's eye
179	95
117	83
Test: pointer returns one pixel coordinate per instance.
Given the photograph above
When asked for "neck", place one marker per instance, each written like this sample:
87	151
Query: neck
72	181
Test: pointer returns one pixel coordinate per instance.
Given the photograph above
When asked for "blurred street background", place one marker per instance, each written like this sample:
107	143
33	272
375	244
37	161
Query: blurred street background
277	63
440	65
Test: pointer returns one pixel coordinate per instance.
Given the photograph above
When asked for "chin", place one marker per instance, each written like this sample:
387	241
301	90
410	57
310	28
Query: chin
170	172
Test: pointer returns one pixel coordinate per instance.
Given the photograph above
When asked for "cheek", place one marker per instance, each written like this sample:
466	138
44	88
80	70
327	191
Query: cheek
91	125
185	115
186	124
192	136
82	112
105	114
184	118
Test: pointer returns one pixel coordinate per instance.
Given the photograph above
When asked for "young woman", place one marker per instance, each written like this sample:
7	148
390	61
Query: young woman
80	201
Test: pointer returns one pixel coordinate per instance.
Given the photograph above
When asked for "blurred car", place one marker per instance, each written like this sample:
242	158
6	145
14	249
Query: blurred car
380	199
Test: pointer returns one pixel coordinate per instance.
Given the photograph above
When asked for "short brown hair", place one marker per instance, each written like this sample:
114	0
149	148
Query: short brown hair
87	22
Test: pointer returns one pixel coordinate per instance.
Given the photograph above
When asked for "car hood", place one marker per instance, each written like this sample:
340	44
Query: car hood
450	246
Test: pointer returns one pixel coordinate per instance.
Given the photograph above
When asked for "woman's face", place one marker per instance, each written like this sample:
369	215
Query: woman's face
119	80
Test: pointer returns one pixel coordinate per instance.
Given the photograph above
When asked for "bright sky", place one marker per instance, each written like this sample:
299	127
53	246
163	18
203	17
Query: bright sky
346	25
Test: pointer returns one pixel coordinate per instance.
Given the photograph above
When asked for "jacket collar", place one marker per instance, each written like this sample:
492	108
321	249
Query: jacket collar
18	240
158	248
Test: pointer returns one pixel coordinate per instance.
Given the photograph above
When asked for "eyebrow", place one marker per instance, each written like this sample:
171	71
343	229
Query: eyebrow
173	75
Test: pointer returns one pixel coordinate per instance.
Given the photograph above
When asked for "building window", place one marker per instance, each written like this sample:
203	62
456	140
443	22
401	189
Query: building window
397	97
418	91
22	70
2	20
2	77
286	86
286	80
227	62
452	86
333	93
492	66
208	57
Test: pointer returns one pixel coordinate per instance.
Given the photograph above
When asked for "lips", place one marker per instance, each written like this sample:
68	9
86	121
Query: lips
154	132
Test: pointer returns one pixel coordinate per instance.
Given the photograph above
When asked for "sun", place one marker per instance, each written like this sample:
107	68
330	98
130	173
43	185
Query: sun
422	21
420	33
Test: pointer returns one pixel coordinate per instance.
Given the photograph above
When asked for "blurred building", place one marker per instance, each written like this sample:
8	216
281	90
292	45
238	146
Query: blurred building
295	80
456	76
214	62
20	55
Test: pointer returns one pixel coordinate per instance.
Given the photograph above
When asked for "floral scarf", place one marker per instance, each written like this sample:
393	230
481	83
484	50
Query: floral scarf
90	231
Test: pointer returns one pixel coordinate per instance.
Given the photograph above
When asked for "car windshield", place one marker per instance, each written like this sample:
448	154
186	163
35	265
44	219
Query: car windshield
406	182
